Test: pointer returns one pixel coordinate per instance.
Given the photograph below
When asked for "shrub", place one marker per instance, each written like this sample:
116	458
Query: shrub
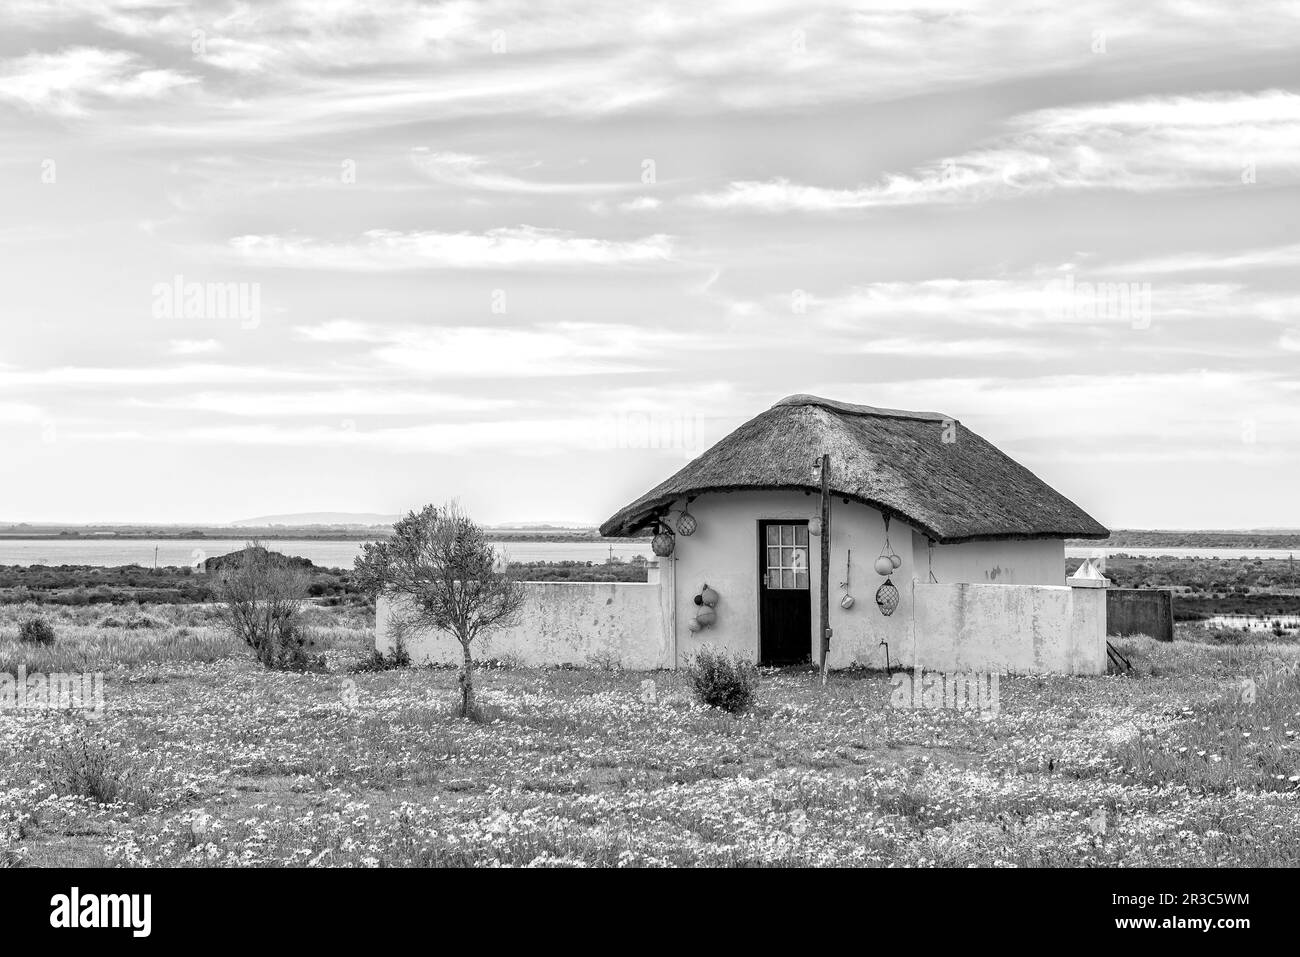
724	681
395	657
262	594
90	768
132	622
36	631
294	651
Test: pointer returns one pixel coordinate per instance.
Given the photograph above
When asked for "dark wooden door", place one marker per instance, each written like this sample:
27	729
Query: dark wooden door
784	597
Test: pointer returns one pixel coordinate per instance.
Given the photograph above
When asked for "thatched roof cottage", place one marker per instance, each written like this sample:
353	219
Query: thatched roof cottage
916	495
942	554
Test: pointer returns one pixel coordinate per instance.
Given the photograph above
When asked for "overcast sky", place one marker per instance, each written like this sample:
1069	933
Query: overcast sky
537	256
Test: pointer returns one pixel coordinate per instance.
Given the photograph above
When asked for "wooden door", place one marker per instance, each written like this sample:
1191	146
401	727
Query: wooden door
785	602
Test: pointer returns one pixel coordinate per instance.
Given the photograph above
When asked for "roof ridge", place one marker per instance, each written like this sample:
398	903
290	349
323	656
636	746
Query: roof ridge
849	408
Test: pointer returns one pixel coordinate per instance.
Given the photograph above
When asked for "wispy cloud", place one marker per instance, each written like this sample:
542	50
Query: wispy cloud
469	172
559	349
193	347
1138	145
380	250
1270	257
71	81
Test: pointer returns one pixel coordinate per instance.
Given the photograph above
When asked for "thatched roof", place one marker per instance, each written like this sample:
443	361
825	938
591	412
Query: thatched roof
891	460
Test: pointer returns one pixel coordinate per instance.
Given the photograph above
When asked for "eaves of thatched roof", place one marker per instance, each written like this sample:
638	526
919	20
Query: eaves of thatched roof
923	468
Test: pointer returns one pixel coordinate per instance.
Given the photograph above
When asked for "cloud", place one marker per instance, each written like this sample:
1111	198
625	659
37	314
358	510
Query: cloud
1176	416
559	349
1203	141
89	377
370	401
1272	257
69	82
1064	299
355	68
963	349
380	250
477	173
518	435
341	330
642	204
193	347
19	412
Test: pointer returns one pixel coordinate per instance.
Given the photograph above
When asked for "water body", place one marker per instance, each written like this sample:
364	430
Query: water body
1289	623
327	554
334	554
1175	552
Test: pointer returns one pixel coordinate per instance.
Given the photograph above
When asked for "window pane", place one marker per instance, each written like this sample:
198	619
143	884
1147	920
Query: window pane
774	535
800	558
800	579
774	579
787	558
801	534
787	534
774	558
787	579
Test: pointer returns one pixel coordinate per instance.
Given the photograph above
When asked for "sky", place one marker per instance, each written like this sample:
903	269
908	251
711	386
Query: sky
279	257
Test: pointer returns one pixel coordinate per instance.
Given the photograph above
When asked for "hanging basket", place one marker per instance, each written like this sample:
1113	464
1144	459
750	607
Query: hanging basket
662	544
887	598
686	525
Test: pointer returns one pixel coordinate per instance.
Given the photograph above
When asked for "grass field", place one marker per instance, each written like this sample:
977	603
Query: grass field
204	758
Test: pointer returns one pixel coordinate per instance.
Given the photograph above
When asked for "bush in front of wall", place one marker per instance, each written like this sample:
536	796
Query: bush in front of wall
723	681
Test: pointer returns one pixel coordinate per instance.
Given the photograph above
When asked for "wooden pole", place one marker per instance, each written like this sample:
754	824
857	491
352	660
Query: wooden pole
825	611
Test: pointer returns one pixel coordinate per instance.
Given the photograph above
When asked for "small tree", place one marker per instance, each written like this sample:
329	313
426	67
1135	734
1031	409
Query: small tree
263	595
439	567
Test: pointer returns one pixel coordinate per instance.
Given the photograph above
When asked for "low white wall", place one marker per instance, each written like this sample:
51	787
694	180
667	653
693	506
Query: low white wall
1005	628
1016	629
619	624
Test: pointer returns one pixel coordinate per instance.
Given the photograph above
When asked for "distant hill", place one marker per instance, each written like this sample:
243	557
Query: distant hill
300	519
545	526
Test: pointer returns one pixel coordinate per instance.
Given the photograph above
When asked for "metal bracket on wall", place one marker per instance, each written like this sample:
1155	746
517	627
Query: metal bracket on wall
1116	659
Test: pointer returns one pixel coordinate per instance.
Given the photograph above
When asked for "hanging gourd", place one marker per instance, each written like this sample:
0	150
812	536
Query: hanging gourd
663	542
693	625
708	596
887	598
889	560
686	525
707	617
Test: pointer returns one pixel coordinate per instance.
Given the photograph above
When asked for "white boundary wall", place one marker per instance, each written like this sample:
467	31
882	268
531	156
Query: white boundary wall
623	624
1010	629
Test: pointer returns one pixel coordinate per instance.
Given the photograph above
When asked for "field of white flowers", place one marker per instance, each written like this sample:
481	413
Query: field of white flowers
203	758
